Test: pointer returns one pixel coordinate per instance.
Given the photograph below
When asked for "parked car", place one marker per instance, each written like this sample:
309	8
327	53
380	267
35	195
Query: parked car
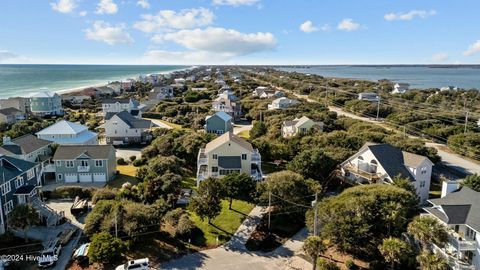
81	253
140	264
50	254
4	264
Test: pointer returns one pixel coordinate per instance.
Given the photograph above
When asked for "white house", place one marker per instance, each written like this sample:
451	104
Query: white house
123	128
65	133
459	211
282	103
299	126
228	154
161	92
116	105
180	80
380	163
400	88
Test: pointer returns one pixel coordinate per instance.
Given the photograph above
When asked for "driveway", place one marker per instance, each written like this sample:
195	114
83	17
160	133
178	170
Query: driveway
239	128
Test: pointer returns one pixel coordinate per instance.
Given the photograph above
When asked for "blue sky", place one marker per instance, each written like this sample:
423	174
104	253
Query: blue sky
240	31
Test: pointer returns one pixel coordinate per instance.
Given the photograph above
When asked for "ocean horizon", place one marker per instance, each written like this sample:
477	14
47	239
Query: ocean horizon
26	79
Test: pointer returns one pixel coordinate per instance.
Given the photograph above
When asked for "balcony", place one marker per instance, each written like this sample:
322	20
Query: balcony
358	172
461	244
256	157
453	259
202	158
83	168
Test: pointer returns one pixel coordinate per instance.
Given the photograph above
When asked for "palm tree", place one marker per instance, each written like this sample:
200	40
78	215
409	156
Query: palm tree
427	230
313	246
430	261
22	217
393	249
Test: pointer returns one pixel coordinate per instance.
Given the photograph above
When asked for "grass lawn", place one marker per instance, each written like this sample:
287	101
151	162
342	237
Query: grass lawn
223	226
126	173
270	167
245	134
189	182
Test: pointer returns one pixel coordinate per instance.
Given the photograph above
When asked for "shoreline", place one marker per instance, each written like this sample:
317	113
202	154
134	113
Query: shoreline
79	89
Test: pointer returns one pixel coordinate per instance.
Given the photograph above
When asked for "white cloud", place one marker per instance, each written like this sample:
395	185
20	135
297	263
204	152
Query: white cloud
440	57
104	32
106	7
472	49
308	27
235	3
227	42
157	38
82	13
170	19
64	6
7	56
183	57
348	25
407	16
143	4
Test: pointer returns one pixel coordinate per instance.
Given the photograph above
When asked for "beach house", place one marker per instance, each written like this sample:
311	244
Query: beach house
228	154
299	126
19	183
65	132
11	115
27	147
459	211
116	105
381	163
282	103
160	92
219	123
20	103
84	163
46	104
123	128
227	102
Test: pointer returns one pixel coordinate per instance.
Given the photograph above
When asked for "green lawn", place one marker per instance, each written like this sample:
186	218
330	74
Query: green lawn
189	182
270	167
126	174
224	225
435	189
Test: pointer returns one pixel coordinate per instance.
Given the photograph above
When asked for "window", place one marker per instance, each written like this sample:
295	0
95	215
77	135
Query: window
214	169
69	163
98	163
215	156
30	174
18	182
244	156
423	170
59	176
84	163
6	188
8	207
58	163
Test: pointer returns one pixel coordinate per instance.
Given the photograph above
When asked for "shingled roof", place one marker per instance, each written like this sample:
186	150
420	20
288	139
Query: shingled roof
74	151
11	167
228	137
23	145
459	207
133	122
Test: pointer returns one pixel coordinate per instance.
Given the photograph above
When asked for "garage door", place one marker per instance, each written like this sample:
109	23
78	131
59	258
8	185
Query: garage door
70	177
85	177
99	177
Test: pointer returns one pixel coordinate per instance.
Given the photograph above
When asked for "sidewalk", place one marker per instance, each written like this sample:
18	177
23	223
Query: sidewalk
240	237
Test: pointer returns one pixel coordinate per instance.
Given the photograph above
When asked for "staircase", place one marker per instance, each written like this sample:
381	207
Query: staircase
51	215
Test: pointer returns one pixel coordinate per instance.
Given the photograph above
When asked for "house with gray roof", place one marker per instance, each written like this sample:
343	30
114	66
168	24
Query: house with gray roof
65	132
228	154
299	126
46	103
19	183
459	211
84	163
123	128
11	115
27	147
380	163
218	123
116	105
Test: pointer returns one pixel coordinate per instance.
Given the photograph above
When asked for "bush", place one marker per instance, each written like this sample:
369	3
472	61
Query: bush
185	226
104	194
326	265
71	192
350	265
138	162
121	161
132	158
105	248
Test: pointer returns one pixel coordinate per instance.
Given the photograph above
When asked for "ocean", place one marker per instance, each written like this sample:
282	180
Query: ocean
23	80
422	77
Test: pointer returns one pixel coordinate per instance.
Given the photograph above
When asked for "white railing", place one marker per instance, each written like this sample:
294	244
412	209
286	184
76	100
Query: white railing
462	245
202	161
83	168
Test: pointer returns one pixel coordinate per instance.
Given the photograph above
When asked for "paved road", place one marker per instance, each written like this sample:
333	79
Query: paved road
454	161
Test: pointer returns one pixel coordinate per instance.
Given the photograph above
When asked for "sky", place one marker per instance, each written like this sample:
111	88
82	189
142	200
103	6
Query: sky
274	32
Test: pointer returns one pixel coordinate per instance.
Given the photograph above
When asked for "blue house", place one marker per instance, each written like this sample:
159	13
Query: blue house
219	123
19	184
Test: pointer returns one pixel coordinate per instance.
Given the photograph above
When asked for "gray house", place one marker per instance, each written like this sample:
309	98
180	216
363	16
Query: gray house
84	163
26	147
18	185
123	128
219	123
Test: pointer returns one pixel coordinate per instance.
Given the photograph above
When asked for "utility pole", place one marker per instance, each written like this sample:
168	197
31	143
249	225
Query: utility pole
269	208
315	219
466	122
116	224
326	94
404	134
378	107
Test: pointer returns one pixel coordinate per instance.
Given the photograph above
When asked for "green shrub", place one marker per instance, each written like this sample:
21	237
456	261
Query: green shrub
72	192
138	162
121	161
105	248
350	265
104	194
326	265
132	158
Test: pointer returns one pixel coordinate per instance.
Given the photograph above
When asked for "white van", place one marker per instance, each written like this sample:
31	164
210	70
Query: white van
140	264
